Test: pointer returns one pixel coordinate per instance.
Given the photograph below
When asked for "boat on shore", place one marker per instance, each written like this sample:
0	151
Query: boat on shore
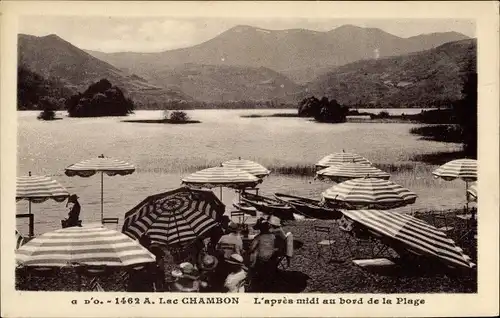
268	205
245	208
309	207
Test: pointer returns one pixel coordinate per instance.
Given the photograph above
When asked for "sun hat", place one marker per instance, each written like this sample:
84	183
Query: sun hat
274	221
208	262
236	259
176	273
187	268
233	226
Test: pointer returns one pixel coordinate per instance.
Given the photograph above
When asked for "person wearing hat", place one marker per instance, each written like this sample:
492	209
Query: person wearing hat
207	265
275	227
235	280
186	279
74	212
233	239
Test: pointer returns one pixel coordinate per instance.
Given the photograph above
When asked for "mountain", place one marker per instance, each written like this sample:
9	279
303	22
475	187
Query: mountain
32	88
219	83
431	77
52	57
297	53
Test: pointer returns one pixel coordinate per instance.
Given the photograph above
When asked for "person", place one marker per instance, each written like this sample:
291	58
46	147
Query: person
231	238
235	280
281	238
275	227
262	251
186	279
159	268
207	266
259	222
141	279
74	212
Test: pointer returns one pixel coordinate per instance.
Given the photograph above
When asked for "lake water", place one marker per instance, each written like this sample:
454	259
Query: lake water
165	153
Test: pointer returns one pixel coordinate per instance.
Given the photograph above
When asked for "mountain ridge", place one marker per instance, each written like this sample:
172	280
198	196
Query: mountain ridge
53	57
285	51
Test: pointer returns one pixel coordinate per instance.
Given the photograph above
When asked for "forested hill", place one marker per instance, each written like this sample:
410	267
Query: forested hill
429	78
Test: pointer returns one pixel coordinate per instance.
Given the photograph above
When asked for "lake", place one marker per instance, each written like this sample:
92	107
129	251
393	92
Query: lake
165	153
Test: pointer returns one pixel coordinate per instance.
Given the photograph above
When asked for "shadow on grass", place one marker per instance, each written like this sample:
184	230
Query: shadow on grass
438	158
288	282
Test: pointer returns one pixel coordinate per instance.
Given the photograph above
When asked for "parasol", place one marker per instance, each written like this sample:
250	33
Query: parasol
412	233
340	158
369	193
104	165
39	189
465	169
347	171
94	246
176	216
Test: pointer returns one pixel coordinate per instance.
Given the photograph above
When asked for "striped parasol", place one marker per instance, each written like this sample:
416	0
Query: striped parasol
369	193
39	189
465	169
340	158
95	246
472	192
413	233
104	165
347	171
20	240
176	216
248	166
221	177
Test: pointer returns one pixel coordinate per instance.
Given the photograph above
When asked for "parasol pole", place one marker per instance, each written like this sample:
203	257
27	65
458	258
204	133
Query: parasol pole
31	221
466	196
102	190
221	193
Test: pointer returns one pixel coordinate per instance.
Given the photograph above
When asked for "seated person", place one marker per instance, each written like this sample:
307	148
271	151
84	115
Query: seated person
186	279
232	239
74	213
208	265
235	280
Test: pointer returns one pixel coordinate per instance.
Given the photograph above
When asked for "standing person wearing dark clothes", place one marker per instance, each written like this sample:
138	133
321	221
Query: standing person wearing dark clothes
159	268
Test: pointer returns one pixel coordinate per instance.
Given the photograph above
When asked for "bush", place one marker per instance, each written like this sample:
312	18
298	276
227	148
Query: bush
324	110
179	116
100	99
49	106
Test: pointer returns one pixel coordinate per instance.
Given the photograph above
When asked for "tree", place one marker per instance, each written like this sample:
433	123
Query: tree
309	107
179	116
324	110
100	99
466	112
49	106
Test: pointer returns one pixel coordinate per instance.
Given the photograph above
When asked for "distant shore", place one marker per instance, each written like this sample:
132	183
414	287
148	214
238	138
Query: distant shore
161	121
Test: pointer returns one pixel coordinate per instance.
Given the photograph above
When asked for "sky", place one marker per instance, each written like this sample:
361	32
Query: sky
154	34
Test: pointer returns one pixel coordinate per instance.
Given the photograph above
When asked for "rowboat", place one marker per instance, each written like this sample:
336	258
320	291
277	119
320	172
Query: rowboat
309	207
245	207
268	205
